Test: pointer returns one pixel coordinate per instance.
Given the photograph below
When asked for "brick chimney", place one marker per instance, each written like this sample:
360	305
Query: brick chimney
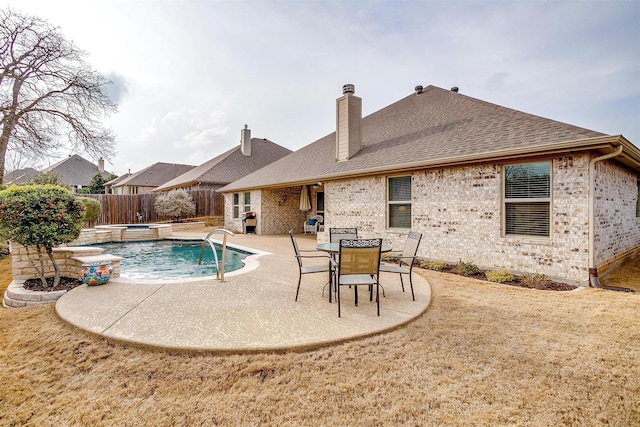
348	116
245	141
100	165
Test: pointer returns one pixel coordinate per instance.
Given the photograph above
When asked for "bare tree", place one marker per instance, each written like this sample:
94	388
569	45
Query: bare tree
49	96
17	158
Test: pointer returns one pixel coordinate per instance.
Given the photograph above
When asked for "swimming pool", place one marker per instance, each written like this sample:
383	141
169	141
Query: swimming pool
171	259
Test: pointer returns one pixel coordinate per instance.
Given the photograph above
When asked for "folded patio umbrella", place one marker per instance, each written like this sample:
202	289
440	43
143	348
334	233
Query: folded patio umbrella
305	203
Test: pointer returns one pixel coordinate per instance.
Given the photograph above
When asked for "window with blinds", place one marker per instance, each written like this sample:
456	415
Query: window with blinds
399	202
527	199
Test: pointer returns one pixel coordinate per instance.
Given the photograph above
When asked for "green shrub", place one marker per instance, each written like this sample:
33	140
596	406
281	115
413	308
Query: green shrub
535	279
433	265
175	204
92	209
4	246
465	269
499	276
43	216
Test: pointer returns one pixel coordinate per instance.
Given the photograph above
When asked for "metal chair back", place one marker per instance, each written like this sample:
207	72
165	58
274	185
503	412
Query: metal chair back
359	256
359	265
295	248
410	247
337	234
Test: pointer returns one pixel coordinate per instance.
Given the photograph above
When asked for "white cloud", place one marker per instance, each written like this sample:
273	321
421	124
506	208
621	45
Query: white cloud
190	74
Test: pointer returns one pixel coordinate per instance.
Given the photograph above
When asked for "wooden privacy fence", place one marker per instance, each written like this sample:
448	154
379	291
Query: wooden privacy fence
122	208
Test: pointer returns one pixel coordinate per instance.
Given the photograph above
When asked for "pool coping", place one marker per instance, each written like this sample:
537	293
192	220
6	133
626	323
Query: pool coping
250	262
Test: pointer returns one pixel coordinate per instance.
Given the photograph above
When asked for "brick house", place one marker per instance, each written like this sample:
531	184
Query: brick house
484	184
19	176
251	155
76	172
147	179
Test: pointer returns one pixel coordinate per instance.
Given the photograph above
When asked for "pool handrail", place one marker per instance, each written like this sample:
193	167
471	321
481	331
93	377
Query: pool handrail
207	239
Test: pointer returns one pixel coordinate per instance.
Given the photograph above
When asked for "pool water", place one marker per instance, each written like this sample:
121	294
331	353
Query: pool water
170	259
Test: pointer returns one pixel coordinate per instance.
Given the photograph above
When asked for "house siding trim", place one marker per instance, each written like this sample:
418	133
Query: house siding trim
630	155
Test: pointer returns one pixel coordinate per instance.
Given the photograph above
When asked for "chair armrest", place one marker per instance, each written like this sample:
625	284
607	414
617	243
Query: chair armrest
313	250
400	258
313	256
392	254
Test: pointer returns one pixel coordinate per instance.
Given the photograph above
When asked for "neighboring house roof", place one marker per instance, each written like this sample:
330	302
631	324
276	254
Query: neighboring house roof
118	179
430	129
20	176
154	175
75	170
230	166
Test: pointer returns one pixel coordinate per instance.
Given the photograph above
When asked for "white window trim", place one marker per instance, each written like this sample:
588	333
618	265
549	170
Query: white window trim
399	202
247	207
235	207
548	200
241	207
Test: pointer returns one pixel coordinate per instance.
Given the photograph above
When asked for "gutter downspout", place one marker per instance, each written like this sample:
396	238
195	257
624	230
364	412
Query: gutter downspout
594	281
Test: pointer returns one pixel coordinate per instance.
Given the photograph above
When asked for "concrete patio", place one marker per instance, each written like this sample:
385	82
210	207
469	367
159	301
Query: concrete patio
253	310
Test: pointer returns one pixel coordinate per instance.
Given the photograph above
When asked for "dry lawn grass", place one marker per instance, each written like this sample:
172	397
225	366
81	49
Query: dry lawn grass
483	354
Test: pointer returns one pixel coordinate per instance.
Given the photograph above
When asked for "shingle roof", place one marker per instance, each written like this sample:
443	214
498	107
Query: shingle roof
118	179
154	175
75	170
230	165
19	176
434	126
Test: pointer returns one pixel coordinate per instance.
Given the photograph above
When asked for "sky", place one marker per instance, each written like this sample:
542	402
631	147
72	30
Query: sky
188	75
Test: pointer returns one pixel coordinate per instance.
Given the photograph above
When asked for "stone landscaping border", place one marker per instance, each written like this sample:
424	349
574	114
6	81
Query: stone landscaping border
16	296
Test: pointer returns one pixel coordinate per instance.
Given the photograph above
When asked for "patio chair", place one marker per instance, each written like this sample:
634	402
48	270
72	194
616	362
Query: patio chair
312	224
359	265
308	269
405	259
336	234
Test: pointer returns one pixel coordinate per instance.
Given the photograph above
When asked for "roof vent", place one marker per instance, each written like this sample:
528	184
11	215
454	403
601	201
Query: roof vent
348	88
418	89
454	89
